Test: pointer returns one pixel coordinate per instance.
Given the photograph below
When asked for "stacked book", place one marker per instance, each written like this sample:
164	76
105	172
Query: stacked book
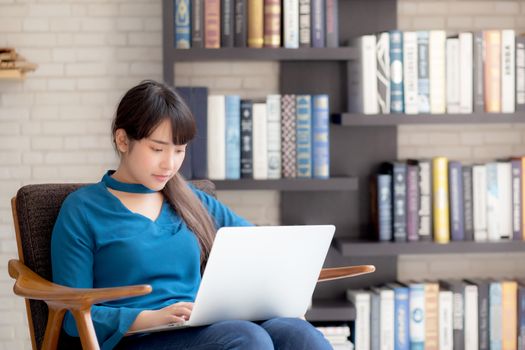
444	200
283	136
255	23
475	314
426	72
337	335
13	65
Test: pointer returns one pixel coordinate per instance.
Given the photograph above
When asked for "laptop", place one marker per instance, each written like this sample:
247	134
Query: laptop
257	273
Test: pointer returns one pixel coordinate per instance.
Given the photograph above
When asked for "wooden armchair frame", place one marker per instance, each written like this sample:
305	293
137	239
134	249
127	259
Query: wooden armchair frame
59	298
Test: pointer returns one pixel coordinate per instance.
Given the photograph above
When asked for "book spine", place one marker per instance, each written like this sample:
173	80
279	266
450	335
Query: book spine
272	23
321	137
466	72
396	72
216	132
517	233
410	72
423	83
453	72
479	195
387	319
227	22
508	71
509	310
492	75
318	23
483	315
496	316
457	231
412	202
186	168
241	26
478	62
197	23
233	137
212	24
255	23
458	330
332	23
471	317
440	200
304	24
445	320
521	317
493	208
291	23
468	205
199	148
273	103
374	321
402	319
505	199
437	60
425	200
431	316
400	201
246	139
182	24
520	73
260	141
383	72
304	136
361	333
384	201
361	75
288	136
417	316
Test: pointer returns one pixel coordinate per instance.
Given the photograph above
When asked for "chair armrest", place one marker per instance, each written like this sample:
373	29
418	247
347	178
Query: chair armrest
30	285
335	273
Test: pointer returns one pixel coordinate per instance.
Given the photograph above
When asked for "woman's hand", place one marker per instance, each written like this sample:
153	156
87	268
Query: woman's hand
174	313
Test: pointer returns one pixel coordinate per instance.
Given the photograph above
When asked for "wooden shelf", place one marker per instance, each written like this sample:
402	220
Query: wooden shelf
353	248
332	184
265	54
331	310
356	119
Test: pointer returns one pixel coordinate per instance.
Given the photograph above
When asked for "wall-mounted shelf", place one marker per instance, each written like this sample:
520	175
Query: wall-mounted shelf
331	310
264	54
355	119
353	248
332	184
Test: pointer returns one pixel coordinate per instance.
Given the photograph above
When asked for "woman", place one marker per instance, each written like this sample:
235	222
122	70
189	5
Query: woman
143	224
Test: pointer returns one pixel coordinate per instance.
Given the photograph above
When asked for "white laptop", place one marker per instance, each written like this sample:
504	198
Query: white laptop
257	273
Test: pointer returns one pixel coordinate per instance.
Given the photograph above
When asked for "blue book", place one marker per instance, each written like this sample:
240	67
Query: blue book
304	136
521	315
401	316
321	137
396	72
199	145
233	137
384	207
457	230
186	169
496	316
318	23
182	24
423	82
417	316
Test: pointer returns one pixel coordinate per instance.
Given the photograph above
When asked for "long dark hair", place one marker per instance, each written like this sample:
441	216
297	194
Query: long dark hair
139	112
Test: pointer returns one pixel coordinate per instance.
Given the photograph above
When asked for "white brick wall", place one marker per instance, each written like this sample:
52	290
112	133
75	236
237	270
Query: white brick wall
54	125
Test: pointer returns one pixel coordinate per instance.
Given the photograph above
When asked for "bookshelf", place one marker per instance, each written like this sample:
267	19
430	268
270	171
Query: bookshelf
358	143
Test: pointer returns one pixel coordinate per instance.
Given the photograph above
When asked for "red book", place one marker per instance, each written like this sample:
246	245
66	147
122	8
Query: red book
212	24
272	23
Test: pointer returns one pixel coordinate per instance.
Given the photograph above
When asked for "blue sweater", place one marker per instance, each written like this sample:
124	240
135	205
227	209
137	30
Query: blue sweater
97	242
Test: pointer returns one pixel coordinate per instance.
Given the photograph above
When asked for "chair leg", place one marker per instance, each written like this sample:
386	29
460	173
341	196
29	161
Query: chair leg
88	337
54	324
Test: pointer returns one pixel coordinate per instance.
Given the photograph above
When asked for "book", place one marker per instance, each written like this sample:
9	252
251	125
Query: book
412	194
360	336
212	24
493	203
466	73
517	218
401	316
520	73
383	72
458	317
471	316
521	315
260	141
425	200
496	316
361	75
332	23
417	316
505	199
478	63
398	171
440	200
273	104
457	227
436	58
304	23
240	37
304	136
492	74
255	23
386	317
182	16
508	71
375	309
446	306
186	169
452	75
288	136
423	83
431	316
227	22
410	73
318	23
233	137
216	136
468	204
483	312
197	24
291	24
246	139
272	23
320	137
509	310
396	72
382	206
479	195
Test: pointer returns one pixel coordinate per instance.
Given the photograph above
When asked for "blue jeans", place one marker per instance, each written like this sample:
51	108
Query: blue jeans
276	333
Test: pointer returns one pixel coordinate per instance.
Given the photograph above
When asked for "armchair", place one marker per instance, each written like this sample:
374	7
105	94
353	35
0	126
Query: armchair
35	209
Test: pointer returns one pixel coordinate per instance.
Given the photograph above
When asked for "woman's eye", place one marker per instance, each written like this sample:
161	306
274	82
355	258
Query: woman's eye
157	149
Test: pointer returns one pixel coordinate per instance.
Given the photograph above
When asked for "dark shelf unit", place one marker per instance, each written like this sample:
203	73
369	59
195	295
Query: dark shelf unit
331	310
355	119
367	249
332	184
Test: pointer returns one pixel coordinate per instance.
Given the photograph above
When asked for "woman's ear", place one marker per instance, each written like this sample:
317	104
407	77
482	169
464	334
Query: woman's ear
122	141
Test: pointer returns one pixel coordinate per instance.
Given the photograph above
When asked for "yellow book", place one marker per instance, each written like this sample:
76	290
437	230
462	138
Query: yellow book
509	307
440	200
255	23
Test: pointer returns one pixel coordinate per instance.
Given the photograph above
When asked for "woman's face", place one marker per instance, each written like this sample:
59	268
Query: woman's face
154	160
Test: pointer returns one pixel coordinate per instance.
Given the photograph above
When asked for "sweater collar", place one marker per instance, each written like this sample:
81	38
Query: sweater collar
114	184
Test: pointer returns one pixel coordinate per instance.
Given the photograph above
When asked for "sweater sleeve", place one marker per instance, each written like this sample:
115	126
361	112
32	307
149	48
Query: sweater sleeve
72	257
222	215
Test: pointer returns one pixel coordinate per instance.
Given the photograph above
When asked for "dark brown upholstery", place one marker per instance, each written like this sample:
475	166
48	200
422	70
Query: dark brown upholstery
37	210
